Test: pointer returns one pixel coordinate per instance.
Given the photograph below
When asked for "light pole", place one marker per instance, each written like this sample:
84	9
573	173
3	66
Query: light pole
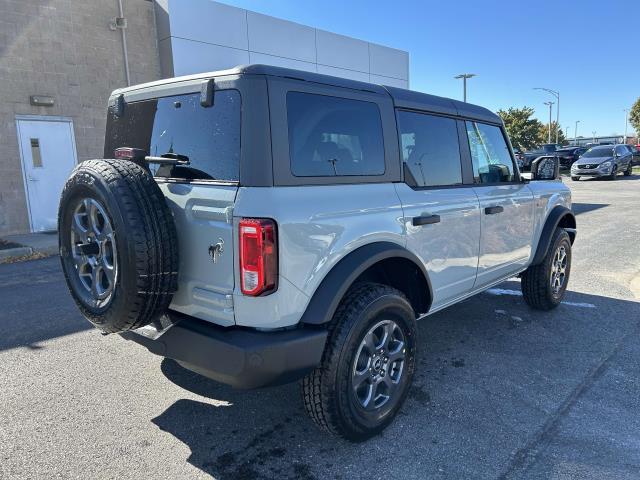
594	136
557	95
626	121
550	107
464	77
575	133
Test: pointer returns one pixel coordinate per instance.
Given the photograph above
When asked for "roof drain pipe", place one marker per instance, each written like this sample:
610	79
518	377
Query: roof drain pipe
121	23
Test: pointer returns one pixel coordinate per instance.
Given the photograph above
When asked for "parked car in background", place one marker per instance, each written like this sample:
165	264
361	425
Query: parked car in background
544	149
568	155
603	161
519	157
635	152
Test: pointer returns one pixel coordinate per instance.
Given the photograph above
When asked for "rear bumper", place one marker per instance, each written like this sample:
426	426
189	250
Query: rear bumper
238	357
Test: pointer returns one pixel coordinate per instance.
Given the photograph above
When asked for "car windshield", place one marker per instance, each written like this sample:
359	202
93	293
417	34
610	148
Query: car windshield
598	153
549	148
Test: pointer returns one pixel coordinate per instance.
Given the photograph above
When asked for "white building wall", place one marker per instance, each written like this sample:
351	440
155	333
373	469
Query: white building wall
202	35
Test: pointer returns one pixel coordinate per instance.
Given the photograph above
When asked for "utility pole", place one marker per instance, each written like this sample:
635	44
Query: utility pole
575	133
626	121
557	95
550	107
464	77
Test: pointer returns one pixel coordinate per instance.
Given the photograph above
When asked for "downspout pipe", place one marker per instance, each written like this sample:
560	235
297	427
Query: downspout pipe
124	45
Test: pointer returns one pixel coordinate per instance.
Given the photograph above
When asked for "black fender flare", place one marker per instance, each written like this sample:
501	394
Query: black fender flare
558	213
335	284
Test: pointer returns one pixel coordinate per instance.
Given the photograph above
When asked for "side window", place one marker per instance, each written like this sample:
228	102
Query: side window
331	136
430	148
492	161
620	150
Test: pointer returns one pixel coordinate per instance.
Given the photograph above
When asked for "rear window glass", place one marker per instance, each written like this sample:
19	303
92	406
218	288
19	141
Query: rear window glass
209	137
331	136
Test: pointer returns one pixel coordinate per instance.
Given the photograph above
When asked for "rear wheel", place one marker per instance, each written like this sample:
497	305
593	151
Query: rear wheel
367	367
543	285
629	170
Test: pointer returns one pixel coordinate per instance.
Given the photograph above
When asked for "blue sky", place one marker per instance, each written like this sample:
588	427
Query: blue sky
584	49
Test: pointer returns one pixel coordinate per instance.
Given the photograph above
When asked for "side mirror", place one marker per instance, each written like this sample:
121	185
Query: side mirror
545	168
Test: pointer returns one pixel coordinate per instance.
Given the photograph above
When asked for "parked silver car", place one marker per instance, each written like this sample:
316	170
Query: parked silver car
603	161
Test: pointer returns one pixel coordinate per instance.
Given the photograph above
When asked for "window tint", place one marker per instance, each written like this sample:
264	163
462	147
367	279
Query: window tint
490	154
430	148
210	137
330	136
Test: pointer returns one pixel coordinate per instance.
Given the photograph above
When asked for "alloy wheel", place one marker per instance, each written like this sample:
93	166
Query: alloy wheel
559	269
378	365
93	249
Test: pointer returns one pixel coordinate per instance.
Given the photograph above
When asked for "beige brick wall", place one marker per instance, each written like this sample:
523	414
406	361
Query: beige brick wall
65	49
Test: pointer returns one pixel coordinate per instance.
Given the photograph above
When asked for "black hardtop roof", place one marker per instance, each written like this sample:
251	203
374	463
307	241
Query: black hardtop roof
402	98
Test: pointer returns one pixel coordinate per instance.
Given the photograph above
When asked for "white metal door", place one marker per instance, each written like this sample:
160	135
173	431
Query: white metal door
48	153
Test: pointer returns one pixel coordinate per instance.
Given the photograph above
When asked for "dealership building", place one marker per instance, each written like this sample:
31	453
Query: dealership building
60	59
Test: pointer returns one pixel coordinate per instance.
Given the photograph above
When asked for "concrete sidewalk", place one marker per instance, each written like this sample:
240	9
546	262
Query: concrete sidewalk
28	244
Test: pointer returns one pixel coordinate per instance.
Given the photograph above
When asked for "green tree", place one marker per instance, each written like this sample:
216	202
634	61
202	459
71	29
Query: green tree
523	130
634	117
544	133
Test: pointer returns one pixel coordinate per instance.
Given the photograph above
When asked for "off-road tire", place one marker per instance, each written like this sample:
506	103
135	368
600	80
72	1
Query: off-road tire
536	280
326	391
145	237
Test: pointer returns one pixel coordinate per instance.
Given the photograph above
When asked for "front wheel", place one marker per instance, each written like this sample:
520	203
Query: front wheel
614	173
543	285
575	179
368	363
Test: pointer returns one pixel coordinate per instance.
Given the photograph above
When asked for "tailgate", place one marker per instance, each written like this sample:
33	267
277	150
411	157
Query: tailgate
204	221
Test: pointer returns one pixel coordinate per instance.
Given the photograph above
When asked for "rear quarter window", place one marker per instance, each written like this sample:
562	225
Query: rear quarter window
332	136
210	137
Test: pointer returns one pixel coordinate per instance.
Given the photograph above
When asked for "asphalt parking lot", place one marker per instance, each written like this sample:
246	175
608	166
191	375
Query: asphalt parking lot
501	391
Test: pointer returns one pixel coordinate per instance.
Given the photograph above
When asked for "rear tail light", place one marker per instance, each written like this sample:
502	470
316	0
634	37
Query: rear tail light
258	256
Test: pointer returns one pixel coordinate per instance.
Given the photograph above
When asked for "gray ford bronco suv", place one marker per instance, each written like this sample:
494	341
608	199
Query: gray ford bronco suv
262	225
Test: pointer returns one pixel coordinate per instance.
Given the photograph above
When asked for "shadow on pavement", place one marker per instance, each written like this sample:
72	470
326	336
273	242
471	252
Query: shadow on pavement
579	208
36	286
496	383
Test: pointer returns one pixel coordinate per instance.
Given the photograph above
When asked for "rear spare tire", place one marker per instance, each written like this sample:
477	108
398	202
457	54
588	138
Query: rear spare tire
118	244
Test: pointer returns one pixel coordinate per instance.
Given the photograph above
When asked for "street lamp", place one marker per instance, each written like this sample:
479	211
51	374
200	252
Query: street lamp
464	77
626	121
575	133
594	136
557	95
549	136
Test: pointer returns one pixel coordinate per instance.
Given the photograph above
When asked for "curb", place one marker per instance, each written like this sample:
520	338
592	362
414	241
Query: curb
15	252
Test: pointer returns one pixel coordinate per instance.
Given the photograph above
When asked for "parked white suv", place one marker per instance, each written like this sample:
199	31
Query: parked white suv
261	225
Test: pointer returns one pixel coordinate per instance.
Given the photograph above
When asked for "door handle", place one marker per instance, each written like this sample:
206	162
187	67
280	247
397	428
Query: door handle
493	210
425	220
